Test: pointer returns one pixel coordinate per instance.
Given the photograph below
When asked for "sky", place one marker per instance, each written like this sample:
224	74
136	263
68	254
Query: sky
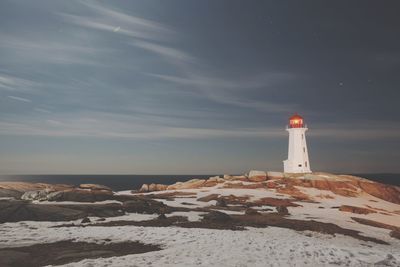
197	87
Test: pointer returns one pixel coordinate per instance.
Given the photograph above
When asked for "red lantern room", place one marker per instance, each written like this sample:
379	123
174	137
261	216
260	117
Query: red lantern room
296	121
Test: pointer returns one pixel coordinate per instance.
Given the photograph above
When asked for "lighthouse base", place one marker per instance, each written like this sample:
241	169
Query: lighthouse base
290	166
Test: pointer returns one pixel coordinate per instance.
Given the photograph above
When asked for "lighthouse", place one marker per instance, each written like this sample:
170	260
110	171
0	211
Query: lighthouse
297	161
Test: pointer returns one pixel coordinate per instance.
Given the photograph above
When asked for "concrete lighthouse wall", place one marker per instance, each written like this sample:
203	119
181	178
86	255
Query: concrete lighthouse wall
297	161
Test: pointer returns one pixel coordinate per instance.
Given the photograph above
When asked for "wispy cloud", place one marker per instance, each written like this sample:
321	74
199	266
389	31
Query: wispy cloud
231	91
19	98
42	110
165	51
105	125
25	49
363	130
108	19
12	83
117	126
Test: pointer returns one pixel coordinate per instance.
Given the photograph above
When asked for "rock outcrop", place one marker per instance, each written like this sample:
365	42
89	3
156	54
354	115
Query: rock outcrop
217	216
357	210
95	187
14	211
291	184
257	176
10	193
76	195
25	186
141	205
56	192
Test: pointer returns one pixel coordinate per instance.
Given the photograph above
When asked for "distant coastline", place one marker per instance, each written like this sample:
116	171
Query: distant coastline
127	182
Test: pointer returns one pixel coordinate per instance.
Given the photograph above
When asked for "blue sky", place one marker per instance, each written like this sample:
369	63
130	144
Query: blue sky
182	87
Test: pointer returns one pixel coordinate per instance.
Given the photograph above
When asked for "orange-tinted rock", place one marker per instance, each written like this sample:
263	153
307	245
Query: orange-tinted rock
274	175
25	186
257	176
293	192
213	181
244	186
271	184
191	184
235	178
386	192
157	187
357	210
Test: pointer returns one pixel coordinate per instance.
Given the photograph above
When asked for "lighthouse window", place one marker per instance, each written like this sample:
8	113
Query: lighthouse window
304	149
306	163
299	165
302	136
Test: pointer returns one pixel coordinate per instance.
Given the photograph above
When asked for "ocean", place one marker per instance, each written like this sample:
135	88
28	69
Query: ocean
129	182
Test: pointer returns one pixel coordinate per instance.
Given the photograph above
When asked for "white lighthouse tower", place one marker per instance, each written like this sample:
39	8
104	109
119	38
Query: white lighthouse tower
297	161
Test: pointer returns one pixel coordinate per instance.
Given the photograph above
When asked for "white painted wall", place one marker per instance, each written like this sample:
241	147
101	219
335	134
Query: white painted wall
298	161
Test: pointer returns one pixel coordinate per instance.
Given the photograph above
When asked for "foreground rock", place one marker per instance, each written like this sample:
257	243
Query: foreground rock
64	252
14	211
140	205
18	210
217	216
82	193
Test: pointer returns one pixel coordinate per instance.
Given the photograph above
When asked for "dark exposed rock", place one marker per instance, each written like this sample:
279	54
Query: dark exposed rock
86	220
18	210
142	205
395	234
282	210
217	216
162	216
64	252
221	202
376	224
276	202
14	211
79	195
10	193
250	211
97	210
209	198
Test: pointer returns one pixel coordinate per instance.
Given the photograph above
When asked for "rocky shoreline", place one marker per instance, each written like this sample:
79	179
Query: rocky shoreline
320	203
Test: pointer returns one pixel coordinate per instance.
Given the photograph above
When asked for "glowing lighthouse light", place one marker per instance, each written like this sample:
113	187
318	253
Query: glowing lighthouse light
297	161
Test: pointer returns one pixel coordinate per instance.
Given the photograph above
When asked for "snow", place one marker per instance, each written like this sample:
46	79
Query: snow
205	247
329	213
270	246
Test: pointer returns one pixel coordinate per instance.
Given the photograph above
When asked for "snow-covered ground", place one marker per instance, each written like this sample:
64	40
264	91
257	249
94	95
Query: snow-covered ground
204	247
270	246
